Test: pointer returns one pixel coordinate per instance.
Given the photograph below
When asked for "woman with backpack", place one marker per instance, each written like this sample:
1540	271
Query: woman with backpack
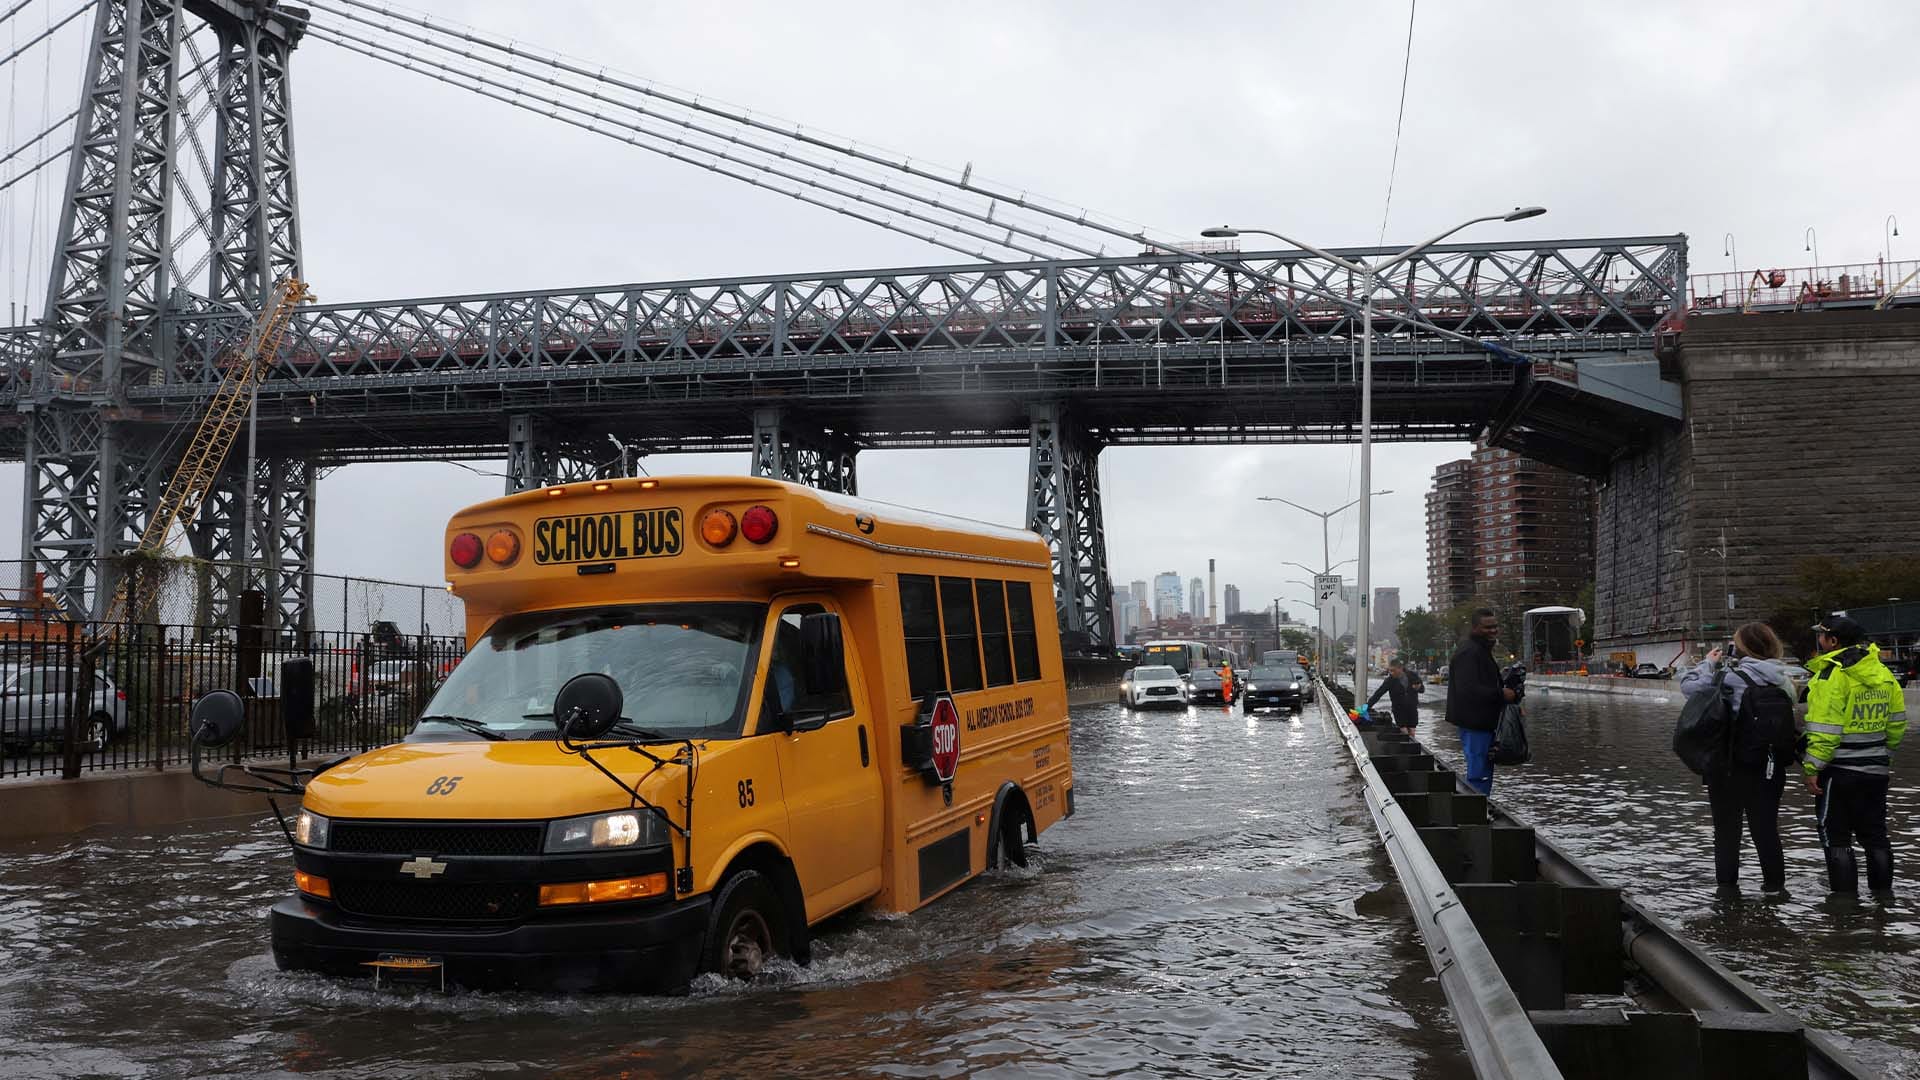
1761	751
1761	747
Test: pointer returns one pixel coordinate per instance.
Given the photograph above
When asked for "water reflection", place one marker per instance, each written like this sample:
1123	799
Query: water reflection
1605	785
1219	907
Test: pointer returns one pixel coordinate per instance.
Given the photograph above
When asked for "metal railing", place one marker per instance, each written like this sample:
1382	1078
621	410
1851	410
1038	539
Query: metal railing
1500	1039
183	595
1852	284
67	709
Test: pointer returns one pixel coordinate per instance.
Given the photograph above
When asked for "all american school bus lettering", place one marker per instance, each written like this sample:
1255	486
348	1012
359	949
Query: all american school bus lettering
1006	712
625	534
697	759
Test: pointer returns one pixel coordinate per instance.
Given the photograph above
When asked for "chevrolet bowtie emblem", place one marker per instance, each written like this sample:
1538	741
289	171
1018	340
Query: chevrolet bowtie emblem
422	867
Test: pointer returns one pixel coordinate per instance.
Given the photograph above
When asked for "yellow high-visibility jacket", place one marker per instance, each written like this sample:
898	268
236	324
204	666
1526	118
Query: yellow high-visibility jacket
1856	712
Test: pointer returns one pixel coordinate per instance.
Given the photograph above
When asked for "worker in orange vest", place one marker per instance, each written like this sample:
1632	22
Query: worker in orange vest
1226	684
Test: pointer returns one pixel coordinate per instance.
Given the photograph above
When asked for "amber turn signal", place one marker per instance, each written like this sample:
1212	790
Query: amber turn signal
503	547
718	528
312	884
602	892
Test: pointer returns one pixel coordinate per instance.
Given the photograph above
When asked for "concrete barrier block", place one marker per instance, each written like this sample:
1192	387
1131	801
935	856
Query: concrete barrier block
1751	1046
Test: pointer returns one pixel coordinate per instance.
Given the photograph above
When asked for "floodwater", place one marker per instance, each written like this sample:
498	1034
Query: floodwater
1219	906
1605	785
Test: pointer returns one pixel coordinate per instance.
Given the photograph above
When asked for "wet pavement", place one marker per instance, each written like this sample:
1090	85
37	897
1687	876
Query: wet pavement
1218	907
1605	785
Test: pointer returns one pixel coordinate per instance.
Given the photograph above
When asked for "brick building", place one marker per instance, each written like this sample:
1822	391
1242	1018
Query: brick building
1503	528
1450	536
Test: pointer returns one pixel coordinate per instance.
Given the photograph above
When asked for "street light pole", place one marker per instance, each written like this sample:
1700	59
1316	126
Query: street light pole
1370	273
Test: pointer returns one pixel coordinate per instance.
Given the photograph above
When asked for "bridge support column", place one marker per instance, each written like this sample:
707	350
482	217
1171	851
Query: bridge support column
1063	506
537	456
786	450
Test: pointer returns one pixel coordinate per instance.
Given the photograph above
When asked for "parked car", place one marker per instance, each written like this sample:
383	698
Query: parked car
35	703
1276	687
1652	671
1205	684
386	677
1148	687
1797	675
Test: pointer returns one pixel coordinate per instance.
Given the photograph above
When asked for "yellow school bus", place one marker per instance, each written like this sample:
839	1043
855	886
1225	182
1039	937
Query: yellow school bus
822	702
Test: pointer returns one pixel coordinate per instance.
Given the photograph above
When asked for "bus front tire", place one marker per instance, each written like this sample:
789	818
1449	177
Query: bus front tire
747	928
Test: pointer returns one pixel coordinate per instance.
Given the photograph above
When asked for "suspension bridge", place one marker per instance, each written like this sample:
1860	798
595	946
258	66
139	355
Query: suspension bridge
1063	331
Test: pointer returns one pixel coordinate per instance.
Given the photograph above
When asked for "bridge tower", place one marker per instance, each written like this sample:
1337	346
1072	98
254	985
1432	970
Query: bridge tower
1063	506
91	473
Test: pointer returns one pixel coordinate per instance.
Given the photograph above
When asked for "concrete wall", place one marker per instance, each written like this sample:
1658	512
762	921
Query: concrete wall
1801	439
36	809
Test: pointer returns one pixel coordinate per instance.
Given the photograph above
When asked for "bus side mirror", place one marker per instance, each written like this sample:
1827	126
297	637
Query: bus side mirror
823	658
296	697
217	718
588	706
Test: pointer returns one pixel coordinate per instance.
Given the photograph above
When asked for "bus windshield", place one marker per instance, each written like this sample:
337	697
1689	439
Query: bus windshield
1173	656
683	669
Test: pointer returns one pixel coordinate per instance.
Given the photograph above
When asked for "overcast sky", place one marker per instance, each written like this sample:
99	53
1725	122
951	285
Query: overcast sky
1624	119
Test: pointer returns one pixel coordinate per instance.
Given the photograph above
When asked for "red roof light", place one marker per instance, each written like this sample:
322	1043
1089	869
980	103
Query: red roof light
759	524
465	551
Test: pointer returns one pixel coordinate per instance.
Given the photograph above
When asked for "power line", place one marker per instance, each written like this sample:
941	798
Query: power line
1400	116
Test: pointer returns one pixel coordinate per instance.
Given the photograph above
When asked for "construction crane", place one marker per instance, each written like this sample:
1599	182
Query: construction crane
213	437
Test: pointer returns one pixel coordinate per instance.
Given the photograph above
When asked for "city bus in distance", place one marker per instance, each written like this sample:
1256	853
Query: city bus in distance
1186	657
698	716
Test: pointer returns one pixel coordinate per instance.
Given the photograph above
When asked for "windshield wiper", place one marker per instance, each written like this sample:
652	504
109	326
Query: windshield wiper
466	724
620	727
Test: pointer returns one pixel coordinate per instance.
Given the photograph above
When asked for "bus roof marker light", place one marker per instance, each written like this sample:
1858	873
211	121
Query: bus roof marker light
465	551
718	527
789	564
556	492
649	485
759	524
603	486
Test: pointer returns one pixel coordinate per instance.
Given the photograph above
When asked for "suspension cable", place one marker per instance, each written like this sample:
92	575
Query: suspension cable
964	182
18	150
409	65
48	32
351	42
41	164
915	192
14	10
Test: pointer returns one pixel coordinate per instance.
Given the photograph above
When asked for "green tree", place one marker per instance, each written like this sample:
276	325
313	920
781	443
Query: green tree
1421	634
1298	640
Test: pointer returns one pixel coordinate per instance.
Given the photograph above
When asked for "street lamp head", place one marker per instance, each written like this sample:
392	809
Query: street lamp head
1522	213
1222	232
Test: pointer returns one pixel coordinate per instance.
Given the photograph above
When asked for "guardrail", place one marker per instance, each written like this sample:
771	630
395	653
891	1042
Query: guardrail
1517	931
1500	1040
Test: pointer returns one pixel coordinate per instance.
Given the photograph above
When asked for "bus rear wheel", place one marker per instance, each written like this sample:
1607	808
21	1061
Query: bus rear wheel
746	928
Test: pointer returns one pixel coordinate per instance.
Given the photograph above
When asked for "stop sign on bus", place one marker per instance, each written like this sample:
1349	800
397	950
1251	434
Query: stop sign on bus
945	731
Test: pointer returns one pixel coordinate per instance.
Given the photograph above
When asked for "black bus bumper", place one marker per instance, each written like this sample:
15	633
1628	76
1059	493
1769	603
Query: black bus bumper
651	949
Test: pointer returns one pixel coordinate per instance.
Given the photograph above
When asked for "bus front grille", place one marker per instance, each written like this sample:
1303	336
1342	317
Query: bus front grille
423	838
435	901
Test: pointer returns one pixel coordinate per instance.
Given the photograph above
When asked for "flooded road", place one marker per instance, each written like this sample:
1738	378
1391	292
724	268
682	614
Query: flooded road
1605	785
1218	907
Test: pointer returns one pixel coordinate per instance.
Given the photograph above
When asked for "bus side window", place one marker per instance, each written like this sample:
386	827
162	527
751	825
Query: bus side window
1026	645
994	643
963	638
920	621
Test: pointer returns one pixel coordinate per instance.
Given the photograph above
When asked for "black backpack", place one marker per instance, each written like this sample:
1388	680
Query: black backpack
1700	736
1763	733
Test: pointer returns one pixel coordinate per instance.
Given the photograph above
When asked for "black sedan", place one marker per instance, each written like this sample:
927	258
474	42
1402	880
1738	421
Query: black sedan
1276	688
1205	684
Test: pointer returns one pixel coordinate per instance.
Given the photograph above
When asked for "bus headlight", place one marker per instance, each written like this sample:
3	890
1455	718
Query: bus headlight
596	832
310	829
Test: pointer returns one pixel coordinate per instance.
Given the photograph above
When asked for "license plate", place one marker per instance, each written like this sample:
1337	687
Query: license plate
622	534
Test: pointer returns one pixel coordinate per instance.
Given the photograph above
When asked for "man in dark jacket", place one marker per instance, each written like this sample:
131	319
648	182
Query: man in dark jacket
1400	690
1475	697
